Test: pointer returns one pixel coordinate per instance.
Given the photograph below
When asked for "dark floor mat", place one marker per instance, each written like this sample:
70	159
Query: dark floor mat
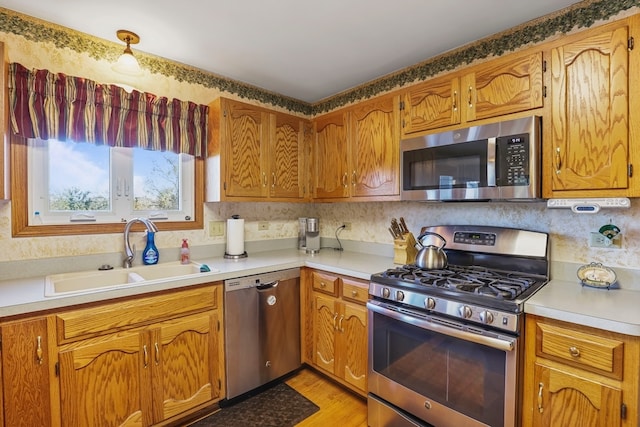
279	406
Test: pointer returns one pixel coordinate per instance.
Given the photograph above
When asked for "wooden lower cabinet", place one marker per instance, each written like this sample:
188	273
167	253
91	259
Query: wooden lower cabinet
576	376
26	374
141	377
336	319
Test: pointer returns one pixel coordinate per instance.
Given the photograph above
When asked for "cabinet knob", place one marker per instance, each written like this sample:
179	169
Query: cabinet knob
574	352
354	293
323	285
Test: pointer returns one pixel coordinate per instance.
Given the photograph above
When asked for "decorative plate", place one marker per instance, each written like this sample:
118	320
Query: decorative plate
597	275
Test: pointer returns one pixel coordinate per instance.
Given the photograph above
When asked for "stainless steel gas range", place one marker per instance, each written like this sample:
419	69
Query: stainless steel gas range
445	346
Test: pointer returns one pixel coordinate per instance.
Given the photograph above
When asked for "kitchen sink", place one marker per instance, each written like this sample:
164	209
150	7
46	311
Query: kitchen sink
96	280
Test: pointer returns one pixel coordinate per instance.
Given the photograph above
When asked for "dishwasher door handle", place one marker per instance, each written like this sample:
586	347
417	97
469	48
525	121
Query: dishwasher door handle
269	285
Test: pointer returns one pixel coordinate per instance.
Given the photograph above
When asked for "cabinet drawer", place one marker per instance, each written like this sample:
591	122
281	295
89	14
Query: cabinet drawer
588	351
355	290
325	283
111	317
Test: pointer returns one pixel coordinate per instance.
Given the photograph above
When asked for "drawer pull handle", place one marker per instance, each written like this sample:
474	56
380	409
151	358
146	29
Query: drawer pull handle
540	387
39	352
574	352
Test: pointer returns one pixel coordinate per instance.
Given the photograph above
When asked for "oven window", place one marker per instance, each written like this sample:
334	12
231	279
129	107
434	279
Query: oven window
449	166
464	376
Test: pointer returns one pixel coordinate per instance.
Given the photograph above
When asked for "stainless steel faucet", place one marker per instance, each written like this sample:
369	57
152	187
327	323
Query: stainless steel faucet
128	252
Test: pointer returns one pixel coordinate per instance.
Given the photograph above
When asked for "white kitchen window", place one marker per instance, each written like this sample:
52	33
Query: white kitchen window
80	183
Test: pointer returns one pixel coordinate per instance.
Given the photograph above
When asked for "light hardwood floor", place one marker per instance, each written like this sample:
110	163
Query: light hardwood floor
338	407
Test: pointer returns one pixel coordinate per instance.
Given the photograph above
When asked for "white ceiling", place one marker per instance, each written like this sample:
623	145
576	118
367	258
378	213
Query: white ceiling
307	50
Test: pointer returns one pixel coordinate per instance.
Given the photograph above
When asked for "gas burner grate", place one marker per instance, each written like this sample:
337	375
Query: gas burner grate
466	279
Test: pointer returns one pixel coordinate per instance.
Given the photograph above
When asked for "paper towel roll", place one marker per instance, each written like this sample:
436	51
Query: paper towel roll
235	236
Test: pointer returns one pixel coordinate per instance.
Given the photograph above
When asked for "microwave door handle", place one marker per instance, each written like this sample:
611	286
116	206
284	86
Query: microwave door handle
491	162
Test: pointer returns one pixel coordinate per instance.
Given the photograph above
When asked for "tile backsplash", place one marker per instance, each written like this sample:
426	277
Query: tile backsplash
369	222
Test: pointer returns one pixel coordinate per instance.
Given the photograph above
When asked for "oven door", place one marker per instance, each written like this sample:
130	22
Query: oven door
440	371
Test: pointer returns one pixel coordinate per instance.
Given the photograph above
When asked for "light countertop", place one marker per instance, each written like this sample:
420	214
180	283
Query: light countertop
615	310
26	295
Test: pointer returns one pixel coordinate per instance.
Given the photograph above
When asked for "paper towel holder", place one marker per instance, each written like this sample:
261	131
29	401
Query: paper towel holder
236	256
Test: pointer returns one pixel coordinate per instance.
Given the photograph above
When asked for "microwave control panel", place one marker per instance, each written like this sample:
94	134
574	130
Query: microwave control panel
512	160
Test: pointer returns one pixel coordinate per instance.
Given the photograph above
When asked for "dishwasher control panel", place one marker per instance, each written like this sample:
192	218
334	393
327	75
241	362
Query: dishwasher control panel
261	279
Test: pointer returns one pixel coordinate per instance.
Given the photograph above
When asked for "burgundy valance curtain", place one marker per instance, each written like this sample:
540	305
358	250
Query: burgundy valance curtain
47	105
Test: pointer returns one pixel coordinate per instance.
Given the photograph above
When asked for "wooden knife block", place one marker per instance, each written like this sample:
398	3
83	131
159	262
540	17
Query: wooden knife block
404	249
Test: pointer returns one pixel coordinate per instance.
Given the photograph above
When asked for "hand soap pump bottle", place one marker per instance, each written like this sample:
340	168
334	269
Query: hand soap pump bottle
184	252
150	254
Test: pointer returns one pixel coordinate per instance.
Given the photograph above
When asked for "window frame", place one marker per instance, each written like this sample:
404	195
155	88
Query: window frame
20	203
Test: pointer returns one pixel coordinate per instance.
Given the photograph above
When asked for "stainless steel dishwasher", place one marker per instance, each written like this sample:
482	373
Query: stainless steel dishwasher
262	329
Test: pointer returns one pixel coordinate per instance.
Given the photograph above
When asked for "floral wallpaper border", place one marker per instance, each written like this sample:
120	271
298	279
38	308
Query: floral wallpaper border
583	14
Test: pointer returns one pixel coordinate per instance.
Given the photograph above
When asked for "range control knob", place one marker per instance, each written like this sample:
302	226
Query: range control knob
399	296
465	311
430	303
386	292
486	317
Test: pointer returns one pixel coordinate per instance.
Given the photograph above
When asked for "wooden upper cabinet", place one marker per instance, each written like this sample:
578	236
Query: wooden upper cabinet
587	150
356	152
330	156
246	141
503	86
254	153
375	142
286	154
431	105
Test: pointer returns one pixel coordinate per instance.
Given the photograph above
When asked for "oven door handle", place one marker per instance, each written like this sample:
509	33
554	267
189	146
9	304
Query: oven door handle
504	343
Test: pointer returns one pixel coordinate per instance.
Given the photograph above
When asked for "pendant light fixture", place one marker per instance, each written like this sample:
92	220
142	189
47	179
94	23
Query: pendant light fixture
127	63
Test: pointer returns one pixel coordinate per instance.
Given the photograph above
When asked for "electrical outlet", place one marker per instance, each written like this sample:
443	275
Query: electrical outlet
216	228
263	225
598	240
347	225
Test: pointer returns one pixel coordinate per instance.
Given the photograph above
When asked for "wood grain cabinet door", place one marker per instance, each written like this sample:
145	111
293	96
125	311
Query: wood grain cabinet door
502	86
246	139
331	151
325	320
185	364
570	401
106	381
286	157
589	101
431	105
25	368
352	345
375	142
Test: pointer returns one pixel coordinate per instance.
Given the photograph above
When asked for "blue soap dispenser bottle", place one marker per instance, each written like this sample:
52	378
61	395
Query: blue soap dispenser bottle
150	254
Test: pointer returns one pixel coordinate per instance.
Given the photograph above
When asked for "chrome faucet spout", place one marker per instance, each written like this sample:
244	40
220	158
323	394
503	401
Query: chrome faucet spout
128	251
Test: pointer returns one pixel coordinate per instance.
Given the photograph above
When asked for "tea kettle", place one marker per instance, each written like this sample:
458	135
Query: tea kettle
431	257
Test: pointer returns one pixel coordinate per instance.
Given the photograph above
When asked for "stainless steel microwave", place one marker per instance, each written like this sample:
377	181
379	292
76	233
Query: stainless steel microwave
496	161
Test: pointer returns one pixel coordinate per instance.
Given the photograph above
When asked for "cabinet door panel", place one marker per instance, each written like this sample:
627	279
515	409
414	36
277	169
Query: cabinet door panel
353	348
286	156
25	362
375	148
324	329
570	401
246	142
330	157
590	113
502	87
431	105
184	361
107	382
